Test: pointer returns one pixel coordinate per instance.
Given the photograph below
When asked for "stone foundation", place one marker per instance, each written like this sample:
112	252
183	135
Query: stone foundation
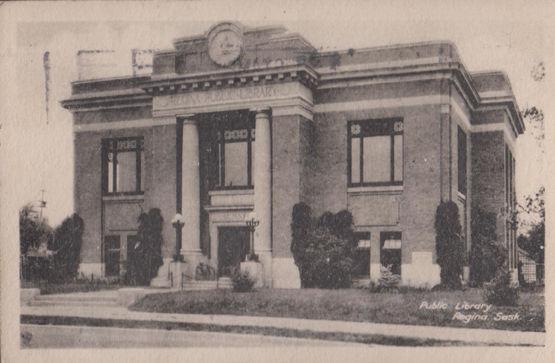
285	274
91	269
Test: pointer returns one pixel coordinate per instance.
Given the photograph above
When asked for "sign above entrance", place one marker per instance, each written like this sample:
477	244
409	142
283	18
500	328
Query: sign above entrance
225	43
231	98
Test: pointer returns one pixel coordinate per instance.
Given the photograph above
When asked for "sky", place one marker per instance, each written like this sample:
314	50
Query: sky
490	35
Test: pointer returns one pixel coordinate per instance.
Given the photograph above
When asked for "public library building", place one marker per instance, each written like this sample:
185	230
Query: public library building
241	120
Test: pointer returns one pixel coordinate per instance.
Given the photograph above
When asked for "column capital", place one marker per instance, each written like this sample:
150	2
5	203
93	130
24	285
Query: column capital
186	119
264	110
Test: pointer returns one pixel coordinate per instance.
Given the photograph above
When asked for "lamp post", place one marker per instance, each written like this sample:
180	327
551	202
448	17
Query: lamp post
252	223
178	222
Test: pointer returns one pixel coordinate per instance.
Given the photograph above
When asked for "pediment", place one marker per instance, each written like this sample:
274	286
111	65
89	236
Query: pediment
240	48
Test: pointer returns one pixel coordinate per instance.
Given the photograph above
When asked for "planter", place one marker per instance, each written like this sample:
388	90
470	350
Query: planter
255	271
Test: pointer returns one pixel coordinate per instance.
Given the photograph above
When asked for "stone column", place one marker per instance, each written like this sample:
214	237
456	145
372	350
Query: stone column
263	191
190	195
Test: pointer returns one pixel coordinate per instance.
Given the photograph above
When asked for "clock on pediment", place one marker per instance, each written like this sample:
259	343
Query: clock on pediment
225	43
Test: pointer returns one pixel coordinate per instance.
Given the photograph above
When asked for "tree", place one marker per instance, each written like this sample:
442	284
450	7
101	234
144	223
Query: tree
449	245
487	255
533	242
32	230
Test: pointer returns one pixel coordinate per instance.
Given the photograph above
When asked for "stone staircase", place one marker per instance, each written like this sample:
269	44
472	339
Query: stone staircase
196	285
96	298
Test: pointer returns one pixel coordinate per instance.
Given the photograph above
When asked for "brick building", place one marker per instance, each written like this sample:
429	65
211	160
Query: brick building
241	119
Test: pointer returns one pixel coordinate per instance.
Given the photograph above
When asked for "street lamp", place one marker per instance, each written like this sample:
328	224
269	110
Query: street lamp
252	223
178	222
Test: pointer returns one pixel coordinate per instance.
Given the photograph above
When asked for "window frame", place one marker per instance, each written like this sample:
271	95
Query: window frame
111	145
396	235
388	126
363	235
220	159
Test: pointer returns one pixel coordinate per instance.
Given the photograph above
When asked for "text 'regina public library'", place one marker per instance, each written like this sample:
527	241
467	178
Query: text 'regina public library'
241	120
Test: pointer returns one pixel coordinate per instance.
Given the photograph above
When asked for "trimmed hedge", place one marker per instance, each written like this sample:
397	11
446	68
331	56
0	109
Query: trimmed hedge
449	245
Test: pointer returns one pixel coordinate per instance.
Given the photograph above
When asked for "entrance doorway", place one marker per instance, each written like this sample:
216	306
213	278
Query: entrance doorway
233	246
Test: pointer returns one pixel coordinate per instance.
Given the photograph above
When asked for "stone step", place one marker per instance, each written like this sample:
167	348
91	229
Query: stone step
69	302
208	285
76	298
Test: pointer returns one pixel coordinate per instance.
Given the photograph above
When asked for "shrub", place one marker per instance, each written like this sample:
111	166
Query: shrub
323	251
388	280
241	280
449	245
486	254
300	227
66	244
328	263
501	291
205	272
146	257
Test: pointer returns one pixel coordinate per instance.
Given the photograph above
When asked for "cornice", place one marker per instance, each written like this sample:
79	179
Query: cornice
303	73
93	101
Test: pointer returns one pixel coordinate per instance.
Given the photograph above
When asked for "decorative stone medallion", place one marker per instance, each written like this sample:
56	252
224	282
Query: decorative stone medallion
225	43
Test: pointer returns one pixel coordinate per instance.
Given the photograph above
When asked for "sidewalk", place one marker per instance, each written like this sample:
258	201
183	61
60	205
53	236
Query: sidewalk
483	336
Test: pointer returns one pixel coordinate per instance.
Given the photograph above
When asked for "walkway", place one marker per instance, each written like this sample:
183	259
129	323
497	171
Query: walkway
481	336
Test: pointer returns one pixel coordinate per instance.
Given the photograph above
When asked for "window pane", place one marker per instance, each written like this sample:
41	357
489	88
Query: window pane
236	164
110	170
126	171
398	157
355	160
252	162
143	171
361	262
376	158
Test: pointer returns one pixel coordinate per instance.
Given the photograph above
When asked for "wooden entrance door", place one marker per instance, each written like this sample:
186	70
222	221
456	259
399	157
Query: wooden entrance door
233	246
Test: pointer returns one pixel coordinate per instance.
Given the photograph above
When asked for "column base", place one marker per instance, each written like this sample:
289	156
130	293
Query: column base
178	269
95	270
265	258
375	272
285	273
162	278
192	260
421	272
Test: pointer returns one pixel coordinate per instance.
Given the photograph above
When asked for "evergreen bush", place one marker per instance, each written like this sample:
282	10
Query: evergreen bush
146	257
449	245
323	251
301	225
242	281
501	291
486	254
66	244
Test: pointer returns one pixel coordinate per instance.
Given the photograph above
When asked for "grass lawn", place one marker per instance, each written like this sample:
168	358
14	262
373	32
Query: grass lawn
352	305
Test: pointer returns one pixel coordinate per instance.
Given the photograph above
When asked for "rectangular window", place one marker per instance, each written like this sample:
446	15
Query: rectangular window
376	152
390	250
112	255
461	153
122	164
361	263
236	157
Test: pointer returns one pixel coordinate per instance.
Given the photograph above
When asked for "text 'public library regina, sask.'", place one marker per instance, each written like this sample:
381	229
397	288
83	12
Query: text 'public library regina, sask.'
257	119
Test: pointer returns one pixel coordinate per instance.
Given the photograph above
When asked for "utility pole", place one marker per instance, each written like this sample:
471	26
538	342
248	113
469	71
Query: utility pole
42	203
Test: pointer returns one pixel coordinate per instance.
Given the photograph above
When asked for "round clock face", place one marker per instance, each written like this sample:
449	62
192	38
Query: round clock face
225	47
